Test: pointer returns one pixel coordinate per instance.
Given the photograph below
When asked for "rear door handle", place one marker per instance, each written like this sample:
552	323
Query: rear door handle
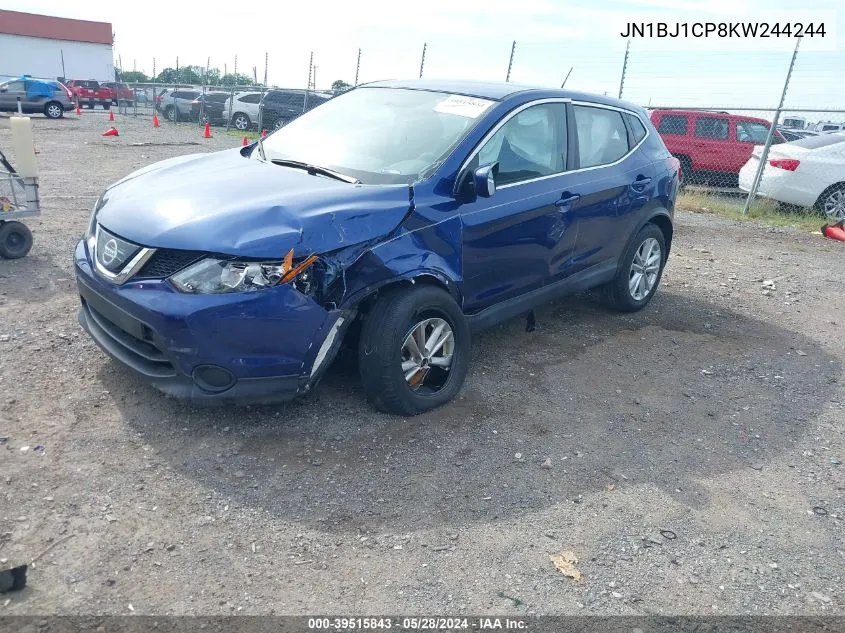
567	199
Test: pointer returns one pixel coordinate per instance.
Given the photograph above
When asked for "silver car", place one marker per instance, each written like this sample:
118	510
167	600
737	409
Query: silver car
45	96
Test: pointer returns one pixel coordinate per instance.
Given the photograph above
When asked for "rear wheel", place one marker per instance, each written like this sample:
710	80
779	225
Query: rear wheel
15	240
278	123
106	105
413	352
686	170
54	110
170	113
832	203
639	273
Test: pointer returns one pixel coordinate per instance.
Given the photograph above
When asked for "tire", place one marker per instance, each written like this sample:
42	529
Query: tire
170	113
106	105
204	119
618	293
241	122
278	123
54	110
15	240
831	203
390	323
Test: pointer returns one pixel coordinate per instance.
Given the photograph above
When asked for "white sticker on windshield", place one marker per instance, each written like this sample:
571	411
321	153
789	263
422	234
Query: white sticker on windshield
470	107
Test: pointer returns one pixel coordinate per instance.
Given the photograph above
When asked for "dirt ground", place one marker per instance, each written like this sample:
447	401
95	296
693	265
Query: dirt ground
696	447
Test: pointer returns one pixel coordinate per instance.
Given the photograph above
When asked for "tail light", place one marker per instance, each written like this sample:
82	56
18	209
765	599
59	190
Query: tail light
789	164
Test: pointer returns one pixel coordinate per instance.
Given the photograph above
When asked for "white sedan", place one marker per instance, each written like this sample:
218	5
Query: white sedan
809	172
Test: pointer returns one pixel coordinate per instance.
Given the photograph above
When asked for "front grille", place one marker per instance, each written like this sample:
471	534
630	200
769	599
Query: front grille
166	262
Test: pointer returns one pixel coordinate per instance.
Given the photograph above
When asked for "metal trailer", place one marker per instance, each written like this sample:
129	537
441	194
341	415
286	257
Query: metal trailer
18	200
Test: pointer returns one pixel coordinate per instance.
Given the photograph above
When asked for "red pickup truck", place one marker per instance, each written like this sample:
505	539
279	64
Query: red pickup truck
88	93
119	92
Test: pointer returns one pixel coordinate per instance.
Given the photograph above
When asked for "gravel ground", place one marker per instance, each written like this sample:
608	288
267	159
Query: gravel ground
689	456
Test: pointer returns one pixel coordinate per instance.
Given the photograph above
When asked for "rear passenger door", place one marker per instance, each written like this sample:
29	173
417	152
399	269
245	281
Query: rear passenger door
713	146
9	96
613	180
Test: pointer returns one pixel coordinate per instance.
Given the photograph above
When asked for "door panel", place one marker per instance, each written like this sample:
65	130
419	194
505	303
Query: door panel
510	239
613	186
712	144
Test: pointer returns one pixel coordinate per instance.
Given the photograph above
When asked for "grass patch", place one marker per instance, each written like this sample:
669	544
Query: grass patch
763	211
251	135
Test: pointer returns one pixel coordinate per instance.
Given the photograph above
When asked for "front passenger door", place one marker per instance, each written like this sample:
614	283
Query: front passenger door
511	238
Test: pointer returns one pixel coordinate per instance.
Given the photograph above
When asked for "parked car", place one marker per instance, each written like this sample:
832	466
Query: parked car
279	107
794	122
88	93
829	126
791	134
209	108
712	146
244	109
119	92
808	173
397	217
48	97
175	105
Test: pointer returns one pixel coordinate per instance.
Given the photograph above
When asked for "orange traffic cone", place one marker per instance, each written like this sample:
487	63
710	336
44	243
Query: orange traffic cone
112	131
155	120
834	232
78	110
245	142
263	133
207	133
111	115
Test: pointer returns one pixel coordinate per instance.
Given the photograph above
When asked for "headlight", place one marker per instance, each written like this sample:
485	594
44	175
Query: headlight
90	233
218	276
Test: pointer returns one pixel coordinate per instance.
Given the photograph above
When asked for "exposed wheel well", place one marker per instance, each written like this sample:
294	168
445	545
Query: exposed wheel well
365	305
665	226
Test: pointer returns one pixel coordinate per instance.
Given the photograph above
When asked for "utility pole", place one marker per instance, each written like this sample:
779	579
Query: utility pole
358	67
422	61
624	68
510	62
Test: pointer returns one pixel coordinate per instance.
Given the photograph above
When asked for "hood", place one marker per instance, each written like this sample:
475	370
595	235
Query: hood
225	203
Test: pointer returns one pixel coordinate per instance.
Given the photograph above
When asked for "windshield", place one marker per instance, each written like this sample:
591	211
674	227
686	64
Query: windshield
378	135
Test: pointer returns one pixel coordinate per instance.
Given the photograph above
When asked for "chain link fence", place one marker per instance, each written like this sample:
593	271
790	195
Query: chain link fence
742	124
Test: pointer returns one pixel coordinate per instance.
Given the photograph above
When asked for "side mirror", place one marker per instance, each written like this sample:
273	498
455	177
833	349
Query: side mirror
484	180
4	89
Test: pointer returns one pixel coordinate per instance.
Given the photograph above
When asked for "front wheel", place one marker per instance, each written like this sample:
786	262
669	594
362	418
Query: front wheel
639	272
15	240
413	353
170	113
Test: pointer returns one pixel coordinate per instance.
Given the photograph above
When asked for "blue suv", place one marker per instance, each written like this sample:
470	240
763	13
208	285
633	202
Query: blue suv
398	217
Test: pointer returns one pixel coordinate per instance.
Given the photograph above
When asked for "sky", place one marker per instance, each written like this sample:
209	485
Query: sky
472	39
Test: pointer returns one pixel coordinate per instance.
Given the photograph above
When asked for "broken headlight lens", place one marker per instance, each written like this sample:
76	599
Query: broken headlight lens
217	276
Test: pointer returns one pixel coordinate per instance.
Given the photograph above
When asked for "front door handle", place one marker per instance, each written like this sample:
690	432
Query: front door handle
567	199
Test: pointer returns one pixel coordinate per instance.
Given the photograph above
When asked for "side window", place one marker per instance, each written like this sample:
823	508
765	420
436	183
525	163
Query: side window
531	144
15	86
751	132
674	124
712	127
602	137
253	98
637	127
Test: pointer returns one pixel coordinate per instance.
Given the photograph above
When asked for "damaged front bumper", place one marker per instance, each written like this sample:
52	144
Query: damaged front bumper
259	347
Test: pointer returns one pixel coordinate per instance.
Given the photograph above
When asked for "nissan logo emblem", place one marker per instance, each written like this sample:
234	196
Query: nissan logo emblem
109	252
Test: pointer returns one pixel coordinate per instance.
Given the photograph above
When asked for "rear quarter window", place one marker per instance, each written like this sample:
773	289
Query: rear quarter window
637	128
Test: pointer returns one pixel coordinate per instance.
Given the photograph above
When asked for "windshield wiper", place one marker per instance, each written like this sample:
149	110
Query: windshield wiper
314	170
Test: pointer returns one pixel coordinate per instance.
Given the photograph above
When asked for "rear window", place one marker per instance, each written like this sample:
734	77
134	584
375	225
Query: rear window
822	140
673	124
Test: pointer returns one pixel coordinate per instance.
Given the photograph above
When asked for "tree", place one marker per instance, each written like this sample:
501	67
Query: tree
134	76
339	85
236	79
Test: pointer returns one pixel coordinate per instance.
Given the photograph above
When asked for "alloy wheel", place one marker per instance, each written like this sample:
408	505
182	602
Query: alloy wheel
644	269
427	354
834	205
